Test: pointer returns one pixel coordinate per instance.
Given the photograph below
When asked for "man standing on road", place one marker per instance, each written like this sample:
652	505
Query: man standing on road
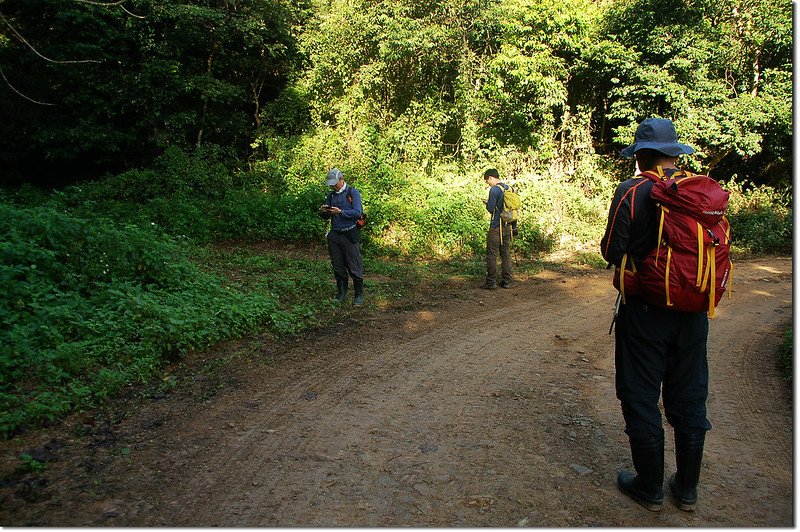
498	238
656	346
344	210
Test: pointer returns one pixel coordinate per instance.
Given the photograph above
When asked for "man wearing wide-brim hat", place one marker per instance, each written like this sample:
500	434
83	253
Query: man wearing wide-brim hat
655	347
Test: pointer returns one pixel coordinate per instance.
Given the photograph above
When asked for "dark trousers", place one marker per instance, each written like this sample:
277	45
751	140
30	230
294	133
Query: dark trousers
345	254
495	247
655	348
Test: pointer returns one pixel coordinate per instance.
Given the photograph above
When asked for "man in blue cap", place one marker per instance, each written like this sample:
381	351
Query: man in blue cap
656	347
344	209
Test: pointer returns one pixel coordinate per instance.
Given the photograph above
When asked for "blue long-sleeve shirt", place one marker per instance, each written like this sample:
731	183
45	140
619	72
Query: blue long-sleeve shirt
495	203
349	200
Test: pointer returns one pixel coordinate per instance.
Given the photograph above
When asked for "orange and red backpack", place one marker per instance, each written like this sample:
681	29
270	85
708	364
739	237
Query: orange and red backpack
690	268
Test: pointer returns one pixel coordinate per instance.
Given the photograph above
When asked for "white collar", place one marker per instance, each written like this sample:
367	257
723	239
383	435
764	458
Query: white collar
341	190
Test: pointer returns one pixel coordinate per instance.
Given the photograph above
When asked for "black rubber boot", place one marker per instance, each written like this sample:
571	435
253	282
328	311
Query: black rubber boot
689	458
358	286
645	486
341	287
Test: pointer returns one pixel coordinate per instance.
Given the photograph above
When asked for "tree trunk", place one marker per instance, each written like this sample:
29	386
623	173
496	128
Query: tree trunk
256	101
756	77
209	61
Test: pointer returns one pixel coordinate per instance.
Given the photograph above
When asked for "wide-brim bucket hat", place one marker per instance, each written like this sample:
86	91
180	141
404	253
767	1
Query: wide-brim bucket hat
657	134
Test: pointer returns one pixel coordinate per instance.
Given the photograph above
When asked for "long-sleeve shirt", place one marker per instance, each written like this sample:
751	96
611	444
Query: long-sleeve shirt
632	225
495	203
349	201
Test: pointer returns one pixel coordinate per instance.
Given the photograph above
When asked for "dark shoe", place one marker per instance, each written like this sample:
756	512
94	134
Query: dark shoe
358	286
505	284
684	500
341	287
688	458
629	485
646	485
489	285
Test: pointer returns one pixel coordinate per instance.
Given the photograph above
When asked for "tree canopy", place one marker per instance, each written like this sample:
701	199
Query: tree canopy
95	87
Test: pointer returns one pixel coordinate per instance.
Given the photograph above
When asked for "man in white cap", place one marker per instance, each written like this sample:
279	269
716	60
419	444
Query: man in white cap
655	347
344	209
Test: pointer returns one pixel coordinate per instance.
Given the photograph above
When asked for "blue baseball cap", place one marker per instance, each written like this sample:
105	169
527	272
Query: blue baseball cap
657	134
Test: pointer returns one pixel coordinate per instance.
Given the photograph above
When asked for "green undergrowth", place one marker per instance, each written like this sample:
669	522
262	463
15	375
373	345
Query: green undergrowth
91	305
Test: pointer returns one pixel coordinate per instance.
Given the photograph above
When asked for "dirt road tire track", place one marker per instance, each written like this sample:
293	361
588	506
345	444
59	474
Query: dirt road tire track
460	412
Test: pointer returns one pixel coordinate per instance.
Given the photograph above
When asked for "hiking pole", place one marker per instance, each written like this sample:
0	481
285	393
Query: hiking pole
513	250
616	311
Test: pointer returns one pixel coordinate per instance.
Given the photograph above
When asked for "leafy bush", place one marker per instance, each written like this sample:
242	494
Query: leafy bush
435	210
253	215
201	173
196	196
91	305
760	217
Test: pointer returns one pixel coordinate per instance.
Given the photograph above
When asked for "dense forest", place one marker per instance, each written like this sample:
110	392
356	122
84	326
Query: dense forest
138	134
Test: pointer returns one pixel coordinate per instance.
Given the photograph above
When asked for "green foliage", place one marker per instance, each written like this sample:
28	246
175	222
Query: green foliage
720	70
290	113
30	465
123	82
456	82
193	194
591	259
194	173
760	217
217	121
91	306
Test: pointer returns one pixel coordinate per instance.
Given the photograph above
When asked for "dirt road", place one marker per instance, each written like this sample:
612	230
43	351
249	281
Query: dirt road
455	411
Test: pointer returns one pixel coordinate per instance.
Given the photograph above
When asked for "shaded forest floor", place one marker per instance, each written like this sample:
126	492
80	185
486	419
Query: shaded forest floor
461	407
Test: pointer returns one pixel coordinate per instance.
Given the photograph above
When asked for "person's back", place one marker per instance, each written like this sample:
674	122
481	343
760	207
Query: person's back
632	201
499	235
656	348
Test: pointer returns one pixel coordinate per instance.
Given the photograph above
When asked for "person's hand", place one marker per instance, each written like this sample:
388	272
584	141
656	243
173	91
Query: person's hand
335	210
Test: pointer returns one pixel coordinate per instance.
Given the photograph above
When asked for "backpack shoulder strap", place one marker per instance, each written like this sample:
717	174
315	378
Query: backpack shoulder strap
659	174
632	193
350	190
651	175
499	205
